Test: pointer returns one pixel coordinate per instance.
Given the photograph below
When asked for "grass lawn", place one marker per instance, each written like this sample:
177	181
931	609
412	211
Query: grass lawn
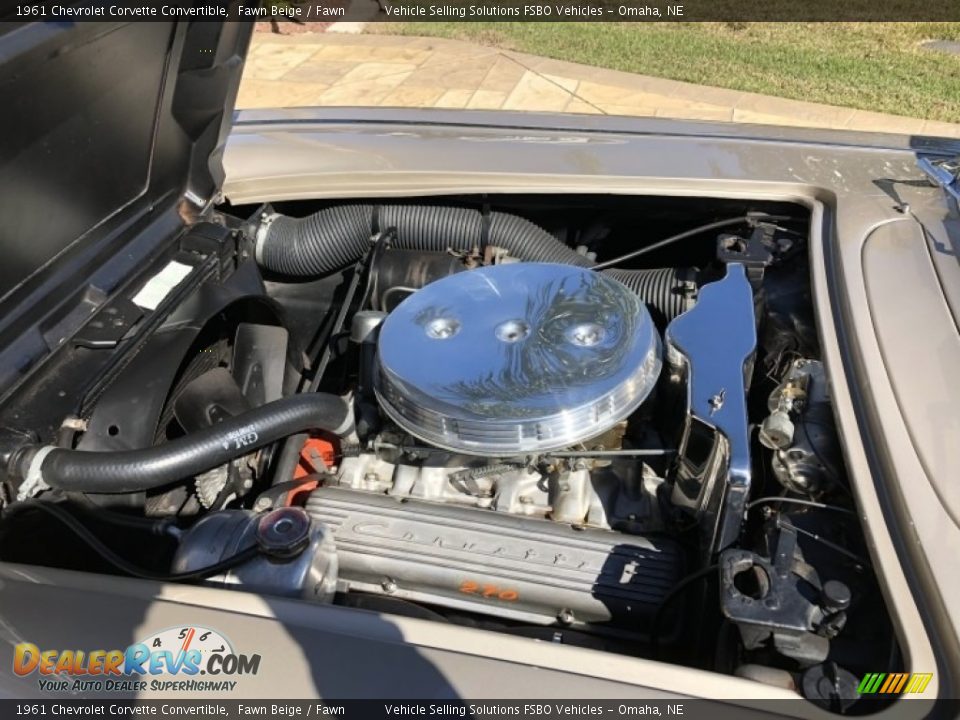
871	66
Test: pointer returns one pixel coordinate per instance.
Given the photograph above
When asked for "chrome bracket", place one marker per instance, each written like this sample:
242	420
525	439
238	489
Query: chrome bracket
711	347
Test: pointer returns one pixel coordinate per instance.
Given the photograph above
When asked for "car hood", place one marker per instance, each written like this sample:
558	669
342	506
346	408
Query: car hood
106	123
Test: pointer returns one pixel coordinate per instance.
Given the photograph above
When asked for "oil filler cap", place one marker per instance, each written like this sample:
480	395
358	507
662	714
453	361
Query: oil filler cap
284	532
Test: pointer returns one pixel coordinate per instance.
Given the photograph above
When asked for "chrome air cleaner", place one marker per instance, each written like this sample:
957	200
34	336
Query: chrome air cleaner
516	358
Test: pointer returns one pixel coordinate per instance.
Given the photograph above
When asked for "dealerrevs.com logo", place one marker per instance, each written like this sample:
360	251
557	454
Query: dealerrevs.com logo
180	659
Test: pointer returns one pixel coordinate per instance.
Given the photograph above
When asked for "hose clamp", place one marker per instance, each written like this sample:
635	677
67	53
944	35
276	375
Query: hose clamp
33	484
266	220
347	427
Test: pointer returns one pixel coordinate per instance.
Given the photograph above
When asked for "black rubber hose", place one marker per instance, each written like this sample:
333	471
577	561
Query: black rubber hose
667	291
136	470
334	237
317	244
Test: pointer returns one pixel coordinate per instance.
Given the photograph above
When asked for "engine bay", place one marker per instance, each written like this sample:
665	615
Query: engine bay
597	421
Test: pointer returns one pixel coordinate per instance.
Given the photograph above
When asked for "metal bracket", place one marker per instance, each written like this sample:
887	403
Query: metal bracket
108	326
712	347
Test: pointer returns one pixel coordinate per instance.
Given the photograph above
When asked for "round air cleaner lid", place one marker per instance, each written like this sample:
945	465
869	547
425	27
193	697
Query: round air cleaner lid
516	358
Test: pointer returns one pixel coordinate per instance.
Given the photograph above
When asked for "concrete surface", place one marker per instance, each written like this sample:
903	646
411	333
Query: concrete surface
355	69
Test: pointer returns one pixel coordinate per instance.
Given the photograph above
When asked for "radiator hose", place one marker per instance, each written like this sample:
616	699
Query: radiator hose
334	237
137	470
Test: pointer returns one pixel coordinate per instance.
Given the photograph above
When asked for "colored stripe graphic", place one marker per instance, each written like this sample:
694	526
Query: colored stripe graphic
919	682
900	683
871	683
893	683
891	679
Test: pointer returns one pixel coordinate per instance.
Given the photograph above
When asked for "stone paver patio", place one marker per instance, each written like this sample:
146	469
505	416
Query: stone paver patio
351	69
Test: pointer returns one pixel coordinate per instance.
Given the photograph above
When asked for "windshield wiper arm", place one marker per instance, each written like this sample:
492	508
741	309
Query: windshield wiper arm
942	171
